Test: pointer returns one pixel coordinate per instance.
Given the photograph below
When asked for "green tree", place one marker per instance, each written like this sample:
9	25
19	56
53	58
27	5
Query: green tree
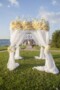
56	39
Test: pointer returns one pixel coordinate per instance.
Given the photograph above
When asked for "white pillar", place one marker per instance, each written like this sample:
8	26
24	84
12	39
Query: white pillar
11	65
49	63
49	66
17	53
14	38
42	56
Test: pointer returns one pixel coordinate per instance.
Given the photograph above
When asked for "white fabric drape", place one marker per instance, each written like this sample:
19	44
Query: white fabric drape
17	52
46	39
42	56
42	39
49	62
14	39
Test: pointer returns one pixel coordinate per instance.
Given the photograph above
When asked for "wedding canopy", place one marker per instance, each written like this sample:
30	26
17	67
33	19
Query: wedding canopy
40	32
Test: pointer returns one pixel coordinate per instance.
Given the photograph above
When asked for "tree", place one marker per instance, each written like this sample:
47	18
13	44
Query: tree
56	39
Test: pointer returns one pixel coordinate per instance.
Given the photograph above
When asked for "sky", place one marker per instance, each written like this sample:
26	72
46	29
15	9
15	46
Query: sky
10	9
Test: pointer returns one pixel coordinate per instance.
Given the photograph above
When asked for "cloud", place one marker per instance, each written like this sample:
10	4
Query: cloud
53	17
54	2
14	2
1	4
8	6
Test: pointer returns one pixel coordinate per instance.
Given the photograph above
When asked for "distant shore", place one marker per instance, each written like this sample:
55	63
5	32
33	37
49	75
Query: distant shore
4	42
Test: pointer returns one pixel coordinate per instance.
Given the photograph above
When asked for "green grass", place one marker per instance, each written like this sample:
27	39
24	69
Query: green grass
3	48
24	77
55	48
24	47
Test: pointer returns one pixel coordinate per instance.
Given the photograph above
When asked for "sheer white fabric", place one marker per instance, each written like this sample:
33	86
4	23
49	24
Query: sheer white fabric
17	53
49	62
41	37
41	54
16	36
45	35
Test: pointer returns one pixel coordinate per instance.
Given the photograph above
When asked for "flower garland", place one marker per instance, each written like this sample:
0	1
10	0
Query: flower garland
29	25
15	25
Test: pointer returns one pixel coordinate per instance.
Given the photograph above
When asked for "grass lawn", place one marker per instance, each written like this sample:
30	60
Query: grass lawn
24	77
3	48
24	47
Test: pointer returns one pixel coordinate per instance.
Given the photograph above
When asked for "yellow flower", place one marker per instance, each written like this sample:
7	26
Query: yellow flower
10	49
18	25
39	25
44	25
29	25
35	24
12	25
47	48
24	24
15	25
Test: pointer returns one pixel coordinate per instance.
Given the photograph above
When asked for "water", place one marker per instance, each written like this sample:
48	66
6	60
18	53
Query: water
4	42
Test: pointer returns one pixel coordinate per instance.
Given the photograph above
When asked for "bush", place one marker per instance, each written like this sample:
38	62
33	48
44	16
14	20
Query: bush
56	39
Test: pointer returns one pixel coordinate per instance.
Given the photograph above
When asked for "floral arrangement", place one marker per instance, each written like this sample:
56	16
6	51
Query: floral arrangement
15	25
47	48
44	25
29	25
10	49
35	24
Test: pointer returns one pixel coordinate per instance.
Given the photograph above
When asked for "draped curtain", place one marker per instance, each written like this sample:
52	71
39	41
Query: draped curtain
41	37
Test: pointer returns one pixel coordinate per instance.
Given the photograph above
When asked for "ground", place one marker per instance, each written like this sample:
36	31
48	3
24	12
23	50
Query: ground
24	77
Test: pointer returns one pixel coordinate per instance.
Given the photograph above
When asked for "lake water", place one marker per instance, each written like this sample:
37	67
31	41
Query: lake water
4	42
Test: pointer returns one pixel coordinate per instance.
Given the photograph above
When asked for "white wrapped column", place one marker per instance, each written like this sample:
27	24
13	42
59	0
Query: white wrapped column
49	62
46	38
17	53
18	49
11	65
14	38
41	44
41	54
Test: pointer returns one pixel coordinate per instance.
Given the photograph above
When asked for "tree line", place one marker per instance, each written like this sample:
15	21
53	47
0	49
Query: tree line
56	39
